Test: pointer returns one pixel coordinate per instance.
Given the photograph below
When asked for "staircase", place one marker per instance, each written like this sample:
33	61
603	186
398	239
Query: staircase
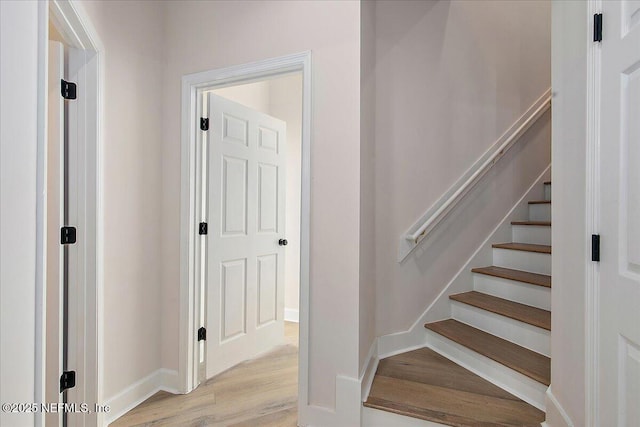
496	345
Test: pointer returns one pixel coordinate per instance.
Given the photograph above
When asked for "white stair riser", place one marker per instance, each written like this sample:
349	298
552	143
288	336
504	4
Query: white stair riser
547	192
527	389
523	334
372	417
534	234
524	293
540	212
533	262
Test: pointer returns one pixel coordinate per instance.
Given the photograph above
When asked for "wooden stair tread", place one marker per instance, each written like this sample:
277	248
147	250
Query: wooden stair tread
517	275
537	223
527	362
528	247
514	310
425	385
540	202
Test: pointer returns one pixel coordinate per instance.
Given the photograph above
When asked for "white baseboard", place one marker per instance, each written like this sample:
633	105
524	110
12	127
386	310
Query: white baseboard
292	315
556	415
439	309
377	418
369	370
141	390
348	408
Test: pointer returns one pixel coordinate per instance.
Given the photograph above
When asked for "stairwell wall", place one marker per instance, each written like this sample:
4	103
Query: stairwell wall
450	78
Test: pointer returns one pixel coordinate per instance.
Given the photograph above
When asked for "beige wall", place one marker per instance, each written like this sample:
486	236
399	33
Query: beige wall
209	35
133	38
451	77
285	103
570	237
282	98
253	95
367	179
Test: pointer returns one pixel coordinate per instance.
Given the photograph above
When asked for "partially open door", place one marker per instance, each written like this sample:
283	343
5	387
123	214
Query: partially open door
245	220
619	293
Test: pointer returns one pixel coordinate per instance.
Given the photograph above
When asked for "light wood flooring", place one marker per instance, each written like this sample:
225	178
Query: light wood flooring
259	392
422	384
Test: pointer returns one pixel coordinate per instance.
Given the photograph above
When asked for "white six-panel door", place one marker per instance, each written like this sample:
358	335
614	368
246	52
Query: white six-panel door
619	356
246	208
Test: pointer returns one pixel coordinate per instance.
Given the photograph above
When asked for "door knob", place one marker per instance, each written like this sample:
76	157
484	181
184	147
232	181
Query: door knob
283	242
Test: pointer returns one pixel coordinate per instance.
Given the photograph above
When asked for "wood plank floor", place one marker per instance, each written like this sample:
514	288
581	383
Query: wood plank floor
259	392
425	385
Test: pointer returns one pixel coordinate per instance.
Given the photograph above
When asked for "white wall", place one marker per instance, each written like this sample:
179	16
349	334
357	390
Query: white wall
209	35
570	238
18	136
132	33
451	77
282	98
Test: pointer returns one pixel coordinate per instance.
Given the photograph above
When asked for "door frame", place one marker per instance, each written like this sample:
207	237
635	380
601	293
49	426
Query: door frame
73	23
592	221
192	85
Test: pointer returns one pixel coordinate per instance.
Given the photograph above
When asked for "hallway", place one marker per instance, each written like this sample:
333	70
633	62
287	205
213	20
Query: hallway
262	391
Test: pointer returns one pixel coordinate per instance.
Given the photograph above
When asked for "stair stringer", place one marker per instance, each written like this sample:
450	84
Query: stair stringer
440	308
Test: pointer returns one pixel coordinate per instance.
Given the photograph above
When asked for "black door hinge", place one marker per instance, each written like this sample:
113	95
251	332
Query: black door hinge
203	228
67	235
202	334
68	89
204	123
67	380
597	27
595	247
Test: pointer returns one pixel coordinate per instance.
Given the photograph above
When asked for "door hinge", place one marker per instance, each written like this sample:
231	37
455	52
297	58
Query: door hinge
67	235
597	27
203	228
202	334
67	380
68	89
595	247
204	123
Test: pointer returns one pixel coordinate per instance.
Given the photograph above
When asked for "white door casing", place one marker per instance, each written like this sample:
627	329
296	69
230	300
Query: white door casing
54	218
246	208
619	289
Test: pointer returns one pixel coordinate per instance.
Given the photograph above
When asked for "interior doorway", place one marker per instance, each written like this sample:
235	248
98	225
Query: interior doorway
247	84
249	266
69	219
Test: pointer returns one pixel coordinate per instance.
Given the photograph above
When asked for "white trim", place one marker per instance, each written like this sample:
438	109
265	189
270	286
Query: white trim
74	25
414	337
138	392
41	212
218	78
292	315
372	417
441	208
369	370
553	407
592	223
